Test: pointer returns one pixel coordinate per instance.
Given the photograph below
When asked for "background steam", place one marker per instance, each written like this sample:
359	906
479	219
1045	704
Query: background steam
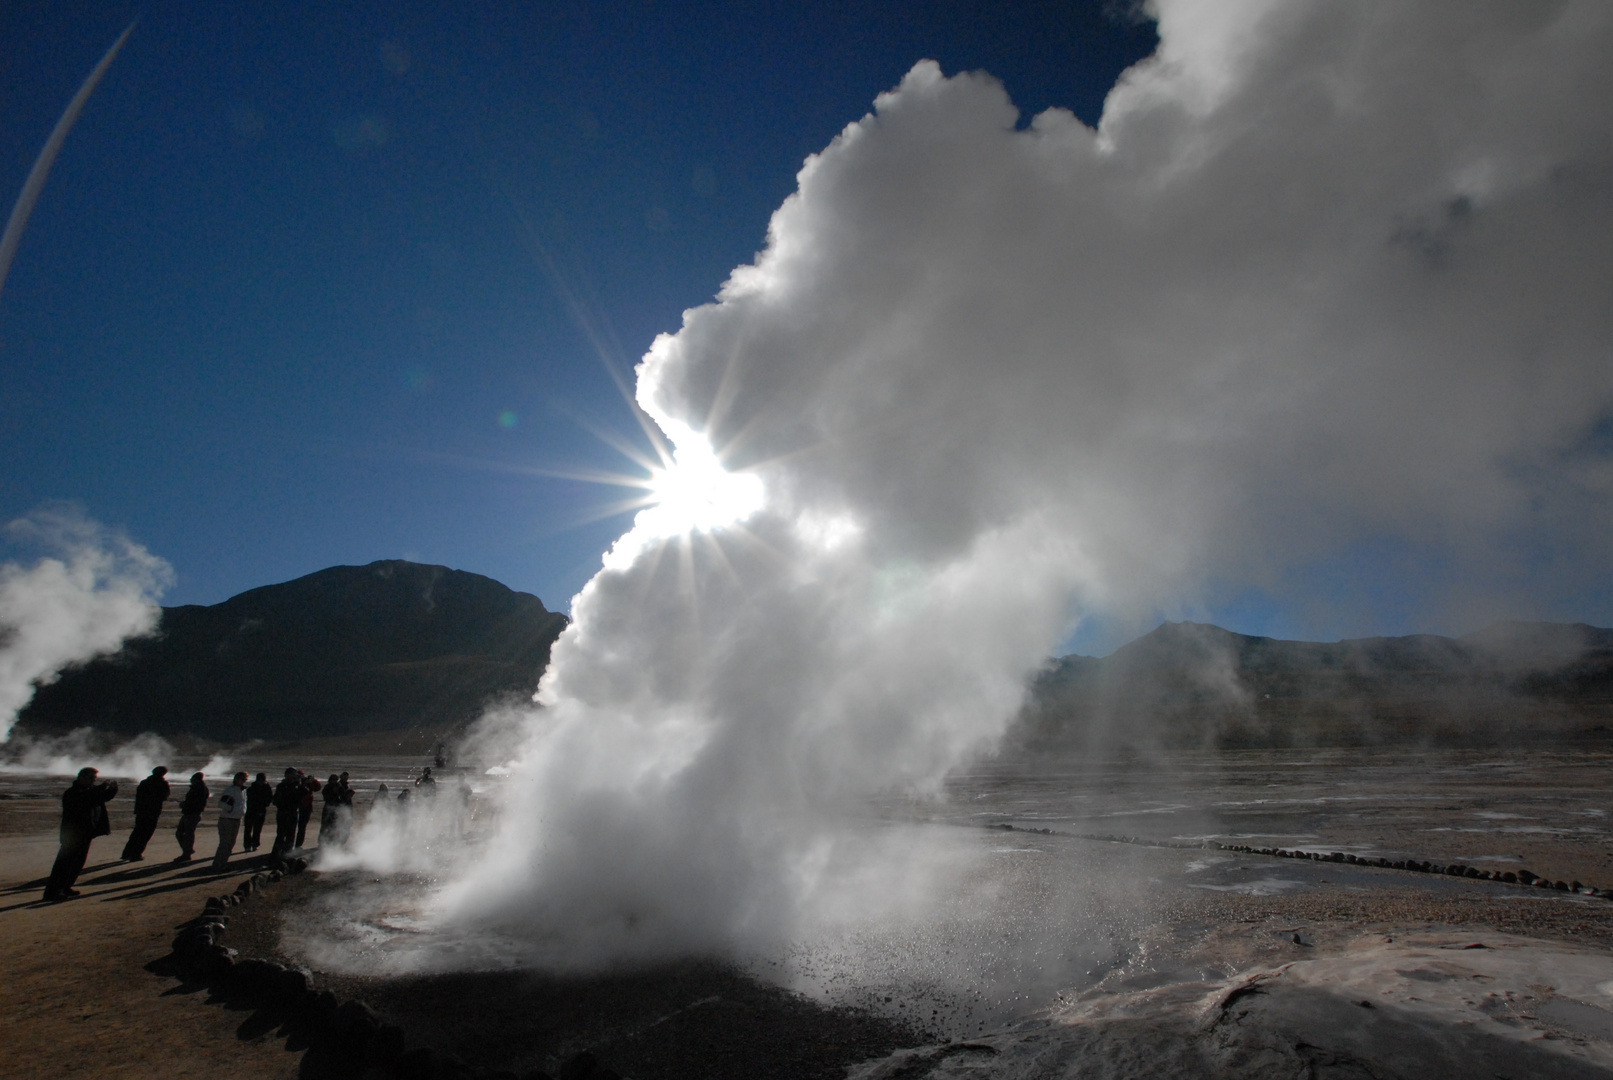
96	588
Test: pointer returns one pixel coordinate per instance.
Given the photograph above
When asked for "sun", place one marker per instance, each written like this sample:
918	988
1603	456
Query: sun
690	491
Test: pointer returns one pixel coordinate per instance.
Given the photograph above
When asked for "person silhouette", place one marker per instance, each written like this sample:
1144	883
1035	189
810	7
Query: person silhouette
287	797
258	798
149	796
83	819
190	815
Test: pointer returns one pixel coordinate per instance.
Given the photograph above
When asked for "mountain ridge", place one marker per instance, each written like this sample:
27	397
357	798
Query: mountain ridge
385	646
1199	685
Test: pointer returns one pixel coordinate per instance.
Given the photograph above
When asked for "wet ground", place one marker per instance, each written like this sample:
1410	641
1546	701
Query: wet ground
1014	921
1500	809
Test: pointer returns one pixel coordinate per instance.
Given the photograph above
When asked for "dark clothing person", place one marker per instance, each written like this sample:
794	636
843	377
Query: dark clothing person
258	798
190	815
332	795
305	808
83	819
287	798
343	803
148	800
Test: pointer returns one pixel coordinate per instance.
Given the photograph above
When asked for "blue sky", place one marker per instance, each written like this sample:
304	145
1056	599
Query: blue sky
296	293
314	284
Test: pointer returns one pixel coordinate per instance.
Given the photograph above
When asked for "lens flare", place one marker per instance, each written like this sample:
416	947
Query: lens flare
692	492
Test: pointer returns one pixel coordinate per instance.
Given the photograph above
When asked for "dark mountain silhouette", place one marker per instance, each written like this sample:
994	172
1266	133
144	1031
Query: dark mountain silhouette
1196	685
350	649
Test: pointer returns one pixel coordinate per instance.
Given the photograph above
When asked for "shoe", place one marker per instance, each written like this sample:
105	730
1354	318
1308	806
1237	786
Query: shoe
134	858
181	858
72	892
54	898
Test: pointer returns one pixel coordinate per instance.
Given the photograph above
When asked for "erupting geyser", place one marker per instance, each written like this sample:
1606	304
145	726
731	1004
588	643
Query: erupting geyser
1325	274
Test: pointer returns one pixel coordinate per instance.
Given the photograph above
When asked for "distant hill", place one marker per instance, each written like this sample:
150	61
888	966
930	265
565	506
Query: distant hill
1195	685
382	647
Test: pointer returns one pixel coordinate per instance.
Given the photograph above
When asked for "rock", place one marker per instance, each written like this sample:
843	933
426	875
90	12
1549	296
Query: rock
198	936
1574	886
417	1064
293	984
384	1047
452	1068
1560	886
255	981
354	1022
1526	877
319	1009
210	965
579	1066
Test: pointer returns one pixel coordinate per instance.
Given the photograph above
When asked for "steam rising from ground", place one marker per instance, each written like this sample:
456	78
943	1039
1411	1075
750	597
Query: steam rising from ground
64	755
96	588
1327	273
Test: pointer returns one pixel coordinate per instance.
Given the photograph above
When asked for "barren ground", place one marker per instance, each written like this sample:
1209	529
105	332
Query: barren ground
77	997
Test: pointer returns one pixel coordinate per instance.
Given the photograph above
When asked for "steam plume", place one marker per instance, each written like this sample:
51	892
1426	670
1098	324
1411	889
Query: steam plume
64	755
1326	272
98	588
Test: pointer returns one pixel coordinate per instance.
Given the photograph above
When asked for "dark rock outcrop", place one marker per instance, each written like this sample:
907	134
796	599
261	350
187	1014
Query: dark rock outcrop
349	649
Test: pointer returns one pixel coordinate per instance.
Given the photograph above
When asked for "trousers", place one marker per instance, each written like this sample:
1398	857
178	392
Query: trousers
185	833
69	862
254	830
228	828
144	827
285	830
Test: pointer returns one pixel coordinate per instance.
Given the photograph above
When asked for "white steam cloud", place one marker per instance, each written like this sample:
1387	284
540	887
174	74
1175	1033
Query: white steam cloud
64	755
96	589
1326	272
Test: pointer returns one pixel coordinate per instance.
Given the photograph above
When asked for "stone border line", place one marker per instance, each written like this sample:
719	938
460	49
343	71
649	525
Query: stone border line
341	1039
1461	870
